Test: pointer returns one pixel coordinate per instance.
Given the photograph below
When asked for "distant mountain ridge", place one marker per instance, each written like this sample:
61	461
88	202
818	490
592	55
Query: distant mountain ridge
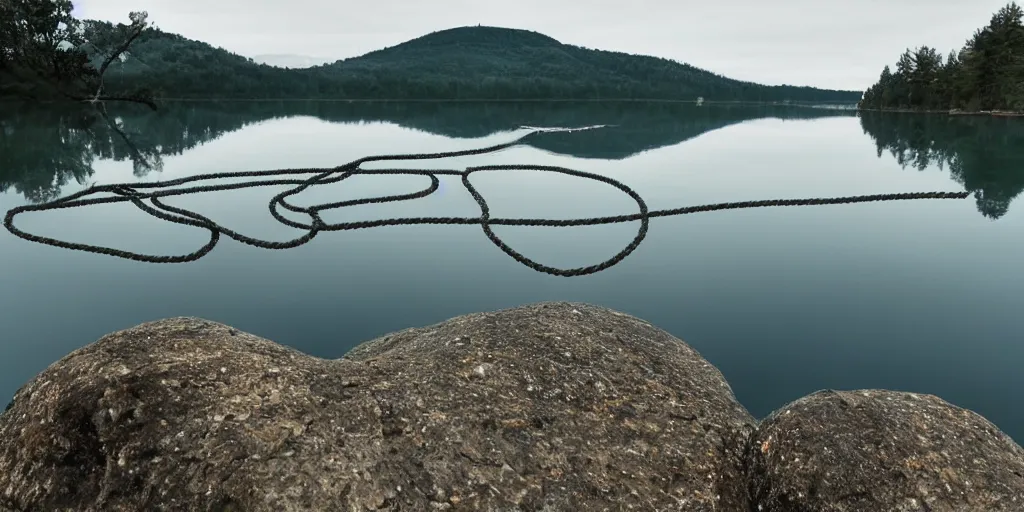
459	63
290	61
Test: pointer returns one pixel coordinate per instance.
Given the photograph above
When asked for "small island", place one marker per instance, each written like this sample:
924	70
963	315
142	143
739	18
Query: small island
985	77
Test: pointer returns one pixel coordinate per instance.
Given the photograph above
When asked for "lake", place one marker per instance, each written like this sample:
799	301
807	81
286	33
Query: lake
919	295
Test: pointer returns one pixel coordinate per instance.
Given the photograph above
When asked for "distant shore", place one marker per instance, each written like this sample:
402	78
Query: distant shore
843	105
990	113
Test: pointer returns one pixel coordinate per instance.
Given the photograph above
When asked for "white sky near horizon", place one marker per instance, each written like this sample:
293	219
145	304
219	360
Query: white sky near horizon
837	44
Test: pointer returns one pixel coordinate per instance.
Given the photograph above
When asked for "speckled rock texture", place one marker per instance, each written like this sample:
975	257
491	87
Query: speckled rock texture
554	406
880	451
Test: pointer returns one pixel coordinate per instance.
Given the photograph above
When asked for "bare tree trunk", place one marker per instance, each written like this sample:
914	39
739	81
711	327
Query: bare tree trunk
137	27
123	47
144	101
98	98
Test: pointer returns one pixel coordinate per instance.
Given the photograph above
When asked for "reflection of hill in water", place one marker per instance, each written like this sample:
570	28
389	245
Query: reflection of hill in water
984	154
43	149
633	127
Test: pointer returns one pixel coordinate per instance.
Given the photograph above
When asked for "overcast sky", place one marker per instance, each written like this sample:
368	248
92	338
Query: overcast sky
840	44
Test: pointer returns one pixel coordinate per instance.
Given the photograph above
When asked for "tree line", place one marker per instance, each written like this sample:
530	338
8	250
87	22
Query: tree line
986	74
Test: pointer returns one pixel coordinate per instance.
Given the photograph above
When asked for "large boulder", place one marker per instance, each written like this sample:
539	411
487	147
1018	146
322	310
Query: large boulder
878	451
551	406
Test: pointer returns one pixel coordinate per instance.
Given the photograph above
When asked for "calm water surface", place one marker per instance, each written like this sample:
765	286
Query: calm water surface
923	296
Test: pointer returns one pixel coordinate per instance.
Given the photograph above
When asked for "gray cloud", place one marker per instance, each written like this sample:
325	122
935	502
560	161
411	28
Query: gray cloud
825	43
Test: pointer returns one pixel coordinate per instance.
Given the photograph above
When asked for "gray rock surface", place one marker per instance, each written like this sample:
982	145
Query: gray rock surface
553	406
879	451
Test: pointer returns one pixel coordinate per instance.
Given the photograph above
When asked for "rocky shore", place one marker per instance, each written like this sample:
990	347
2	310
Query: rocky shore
553	406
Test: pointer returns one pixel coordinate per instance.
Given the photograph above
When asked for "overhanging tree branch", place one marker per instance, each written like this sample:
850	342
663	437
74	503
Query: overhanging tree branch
138	26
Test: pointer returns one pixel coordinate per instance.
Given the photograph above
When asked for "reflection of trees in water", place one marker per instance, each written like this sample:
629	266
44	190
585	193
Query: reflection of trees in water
42	150
984	154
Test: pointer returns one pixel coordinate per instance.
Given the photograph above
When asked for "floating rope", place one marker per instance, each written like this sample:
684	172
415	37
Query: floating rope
153	193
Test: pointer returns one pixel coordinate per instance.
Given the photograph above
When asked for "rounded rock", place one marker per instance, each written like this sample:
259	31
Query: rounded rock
879	451
577	408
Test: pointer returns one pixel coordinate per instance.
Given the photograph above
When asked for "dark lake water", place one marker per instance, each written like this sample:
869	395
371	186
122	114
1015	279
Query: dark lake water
921	295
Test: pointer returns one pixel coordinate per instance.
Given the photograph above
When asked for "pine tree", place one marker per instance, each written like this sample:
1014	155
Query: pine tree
986	74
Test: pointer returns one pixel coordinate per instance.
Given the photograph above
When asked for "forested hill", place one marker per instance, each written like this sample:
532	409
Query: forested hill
479	61
460	63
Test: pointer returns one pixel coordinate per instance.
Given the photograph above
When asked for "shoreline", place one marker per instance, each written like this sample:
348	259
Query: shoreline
988	113
849	105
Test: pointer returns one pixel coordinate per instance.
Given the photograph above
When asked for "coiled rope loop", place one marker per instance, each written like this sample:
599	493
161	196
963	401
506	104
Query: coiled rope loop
153	192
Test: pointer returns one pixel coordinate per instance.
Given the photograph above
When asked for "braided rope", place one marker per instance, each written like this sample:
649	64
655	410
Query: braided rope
153	192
